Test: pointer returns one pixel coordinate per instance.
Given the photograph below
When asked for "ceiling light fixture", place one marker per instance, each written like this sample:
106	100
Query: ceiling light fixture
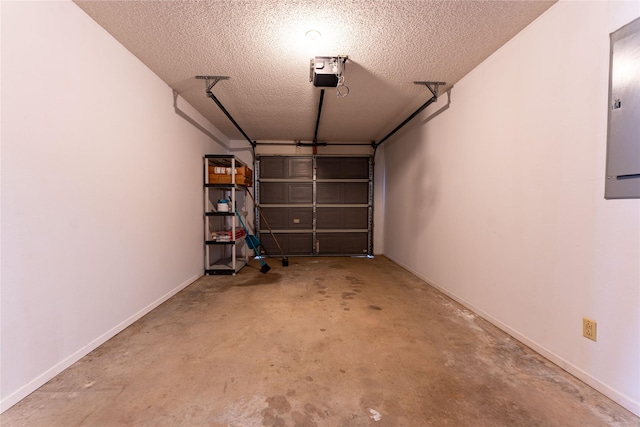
313	35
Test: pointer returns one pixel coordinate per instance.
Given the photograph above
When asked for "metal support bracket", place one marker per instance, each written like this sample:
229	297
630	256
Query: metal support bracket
211	81
432	86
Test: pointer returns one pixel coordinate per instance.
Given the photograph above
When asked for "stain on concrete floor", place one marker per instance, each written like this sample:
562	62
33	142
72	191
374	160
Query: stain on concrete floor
322	342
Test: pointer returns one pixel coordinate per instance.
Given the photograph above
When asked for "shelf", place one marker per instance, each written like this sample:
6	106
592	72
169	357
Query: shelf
231	256
225	266
227	186
231	242
223	159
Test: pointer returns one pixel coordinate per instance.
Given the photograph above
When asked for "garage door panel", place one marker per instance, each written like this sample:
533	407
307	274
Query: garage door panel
354	218
342	193
342	243
269	245
327	192
354	193
328	167
354	168
300	193
342	167
328	244
355	243
278	218
300	168
283	218
301	244
286	192
273	193
291	244
342	218
300	218
328	218
325	211
273	167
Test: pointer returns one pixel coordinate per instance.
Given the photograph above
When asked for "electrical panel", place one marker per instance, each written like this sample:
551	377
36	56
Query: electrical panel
623	131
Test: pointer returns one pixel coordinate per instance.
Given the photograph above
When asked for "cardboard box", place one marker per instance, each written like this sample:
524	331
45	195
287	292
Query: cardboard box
246	171
220	170
226	179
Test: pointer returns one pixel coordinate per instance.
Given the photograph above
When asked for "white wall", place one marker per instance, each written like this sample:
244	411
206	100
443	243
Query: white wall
101	191
499	200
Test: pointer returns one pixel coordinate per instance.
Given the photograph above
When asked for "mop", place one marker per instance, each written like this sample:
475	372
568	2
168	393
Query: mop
254	243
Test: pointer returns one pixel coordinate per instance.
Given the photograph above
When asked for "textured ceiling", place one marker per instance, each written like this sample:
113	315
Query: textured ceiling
261	46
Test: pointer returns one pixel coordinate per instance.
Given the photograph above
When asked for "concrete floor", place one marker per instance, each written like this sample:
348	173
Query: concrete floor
322	342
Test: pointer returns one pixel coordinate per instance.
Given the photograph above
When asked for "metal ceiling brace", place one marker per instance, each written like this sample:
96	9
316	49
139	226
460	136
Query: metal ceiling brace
433	88
210	82
315	134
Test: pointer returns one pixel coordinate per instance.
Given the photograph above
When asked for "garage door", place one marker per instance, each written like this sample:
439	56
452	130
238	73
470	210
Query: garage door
315	205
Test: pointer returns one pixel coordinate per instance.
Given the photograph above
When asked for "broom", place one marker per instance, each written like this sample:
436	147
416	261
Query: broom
254	243
285	260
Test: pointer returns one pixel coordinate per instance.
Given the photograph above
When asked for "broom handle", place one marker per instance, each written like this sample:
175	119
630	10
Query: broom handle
242	223
265	222
249	238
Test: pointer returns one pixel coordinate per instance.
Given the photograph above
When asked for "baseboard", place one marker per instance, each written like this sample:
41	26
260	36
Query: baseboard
620	398
42	379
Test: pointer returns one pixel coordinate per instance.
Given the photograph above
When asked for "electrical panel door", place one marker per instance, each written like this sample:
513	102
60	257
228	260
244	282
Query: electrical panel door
623	132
